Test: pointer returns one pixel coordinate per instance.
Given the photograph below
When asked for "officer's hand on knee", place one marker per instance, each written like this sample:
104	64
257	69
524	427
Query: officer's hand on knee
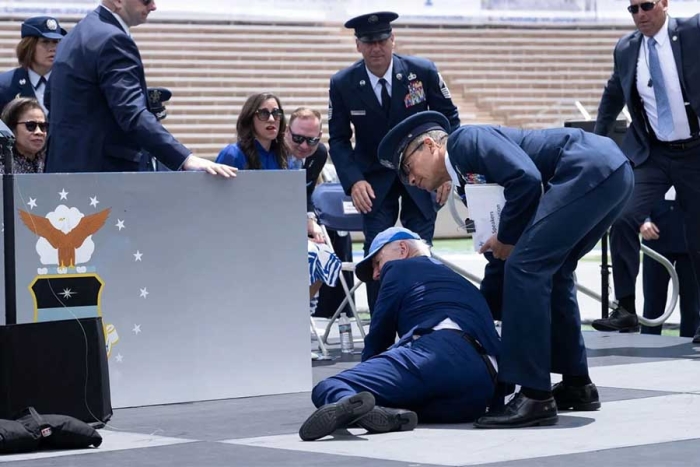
362	195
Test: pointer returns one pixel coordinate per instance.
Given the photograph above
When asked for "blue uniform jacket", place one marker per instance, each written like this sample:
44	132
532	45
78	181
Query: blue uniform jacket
100	121
416	86
566	163
415	295
621	87
15	83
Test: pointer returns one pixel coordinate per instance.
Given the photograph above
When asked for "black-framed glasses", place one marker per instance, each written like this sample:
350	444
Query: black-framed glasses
264	114
405	168
645	6
310	140
31	126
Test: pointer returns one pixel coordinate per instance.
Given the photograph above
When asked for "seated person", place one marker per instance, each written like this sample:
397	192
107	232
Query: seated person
260	133
324	267
664	232
441	370
27	120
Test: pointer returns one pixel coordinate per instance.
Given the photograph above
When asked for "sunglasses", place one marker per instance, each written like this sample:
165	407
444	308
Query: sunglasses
645	6
264	114
311	141
31	126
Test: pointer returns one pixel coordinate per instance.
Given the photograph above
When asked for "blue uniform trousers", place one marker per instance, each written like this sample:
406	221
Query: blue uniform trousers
664	168
440	376
385	216
541	329
655	279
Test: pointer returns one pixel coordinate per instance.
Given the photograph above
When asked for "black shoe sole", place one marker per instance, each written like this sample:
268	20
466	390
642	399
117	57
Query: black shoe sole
380	421
609	328
331	417
548	421
580	407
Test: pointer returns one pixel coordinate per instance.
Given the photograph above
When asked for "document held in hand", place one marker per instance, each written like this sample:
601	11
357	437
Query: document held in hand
485	203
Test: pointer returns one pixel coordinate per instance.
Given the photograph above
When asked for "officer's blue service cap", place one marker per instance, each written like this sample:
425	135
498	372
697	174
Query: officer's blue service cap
156	97
372	27
364	268
393	145
43	26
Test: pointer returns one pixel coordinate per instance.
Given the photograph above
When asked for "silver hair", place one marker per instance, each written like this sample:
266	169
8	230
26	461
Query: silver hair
416	247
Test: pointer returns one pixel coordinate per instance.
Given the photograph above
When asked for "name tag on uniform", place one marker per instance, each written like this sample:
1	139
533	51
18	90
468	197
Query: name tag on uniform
358	113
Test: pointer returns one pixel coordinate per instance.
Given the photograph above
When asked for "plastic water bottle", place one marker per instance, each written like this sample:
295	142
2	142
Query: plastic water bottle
346	343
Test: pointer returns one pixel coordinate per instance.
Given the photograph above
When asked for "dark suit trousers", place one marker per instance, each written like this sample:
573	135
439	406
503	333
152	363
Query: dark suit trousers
541	330
655	280
440	376
385	216
664	168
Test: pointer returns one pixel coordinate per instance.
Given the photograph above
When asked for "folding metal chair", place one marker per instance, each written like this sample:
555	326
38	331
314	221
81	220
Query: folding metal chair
335	210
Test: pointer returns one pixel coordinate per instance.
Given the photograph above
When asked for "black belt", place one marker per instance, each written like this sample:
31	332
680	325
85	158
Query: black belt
481	351
680	145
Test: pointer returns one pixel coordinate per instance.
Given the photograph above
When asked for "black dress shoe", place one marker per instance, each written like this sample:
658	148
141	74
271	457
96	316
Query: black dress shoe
696	337
331	417
521	412
619	320
578	398
385	420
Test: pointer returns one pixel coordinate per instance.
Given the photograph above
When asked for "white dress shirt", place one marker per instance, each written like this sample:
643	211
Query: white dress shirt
681	129
374	81
451	171
119	19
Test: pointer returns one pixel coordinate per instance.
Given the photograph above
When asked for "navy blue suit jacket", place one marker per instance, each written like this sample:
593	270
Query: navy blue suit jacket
564	163
416	294
621	87
99	116
352	100
15	83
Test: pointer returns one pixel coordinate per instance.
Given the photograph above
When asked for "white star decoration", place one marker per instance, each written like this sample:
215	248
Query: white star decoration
93	201
119	358
32	203
144	292
138	255
68	293
120	224
63	193
137	329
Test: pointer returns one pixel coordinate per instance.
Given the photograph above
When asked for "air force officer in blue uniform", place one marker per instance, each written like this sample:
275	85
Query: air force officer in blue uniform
443	367
373	95
100	120
563	188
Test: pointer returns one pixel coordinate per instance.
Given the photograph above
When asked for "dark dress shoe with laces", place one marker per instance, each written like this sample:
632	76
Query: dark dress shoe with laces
578	398
521	412
619	320
696	338
331	417
384	420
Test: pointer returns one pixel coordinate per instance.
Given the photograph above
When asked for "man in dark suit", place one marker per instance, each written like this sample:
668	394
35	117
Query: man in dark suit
100	120
657	75
35	53
373	95
563	188
443	367
663	232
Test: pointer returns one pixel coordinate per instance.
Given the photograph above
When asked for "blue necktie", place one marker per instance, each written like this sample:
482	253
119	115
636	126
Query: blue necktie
663	107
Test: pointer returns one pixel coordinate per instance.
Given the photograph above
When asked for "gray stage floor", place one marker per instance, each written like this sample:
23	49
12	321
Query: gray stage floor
650	388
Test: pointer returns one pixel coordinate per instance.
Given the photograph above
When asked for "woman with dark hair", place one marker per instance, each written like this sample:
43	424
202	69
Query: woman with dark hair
260	136
35	54
27	120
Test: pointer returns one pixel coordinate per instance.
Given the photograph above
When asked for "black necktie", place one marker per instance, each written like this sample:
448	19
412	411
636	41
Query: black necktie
42	80
386	99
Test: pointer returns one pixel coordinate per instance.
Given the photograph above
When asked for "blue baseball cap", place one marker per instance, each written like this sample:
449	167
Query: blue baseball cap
43	26
393	145
364	268
372	27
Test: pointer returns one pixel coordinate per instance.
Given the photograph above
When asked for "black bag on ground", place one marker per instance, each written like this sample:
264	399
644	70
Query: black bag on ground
16	438
58	431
